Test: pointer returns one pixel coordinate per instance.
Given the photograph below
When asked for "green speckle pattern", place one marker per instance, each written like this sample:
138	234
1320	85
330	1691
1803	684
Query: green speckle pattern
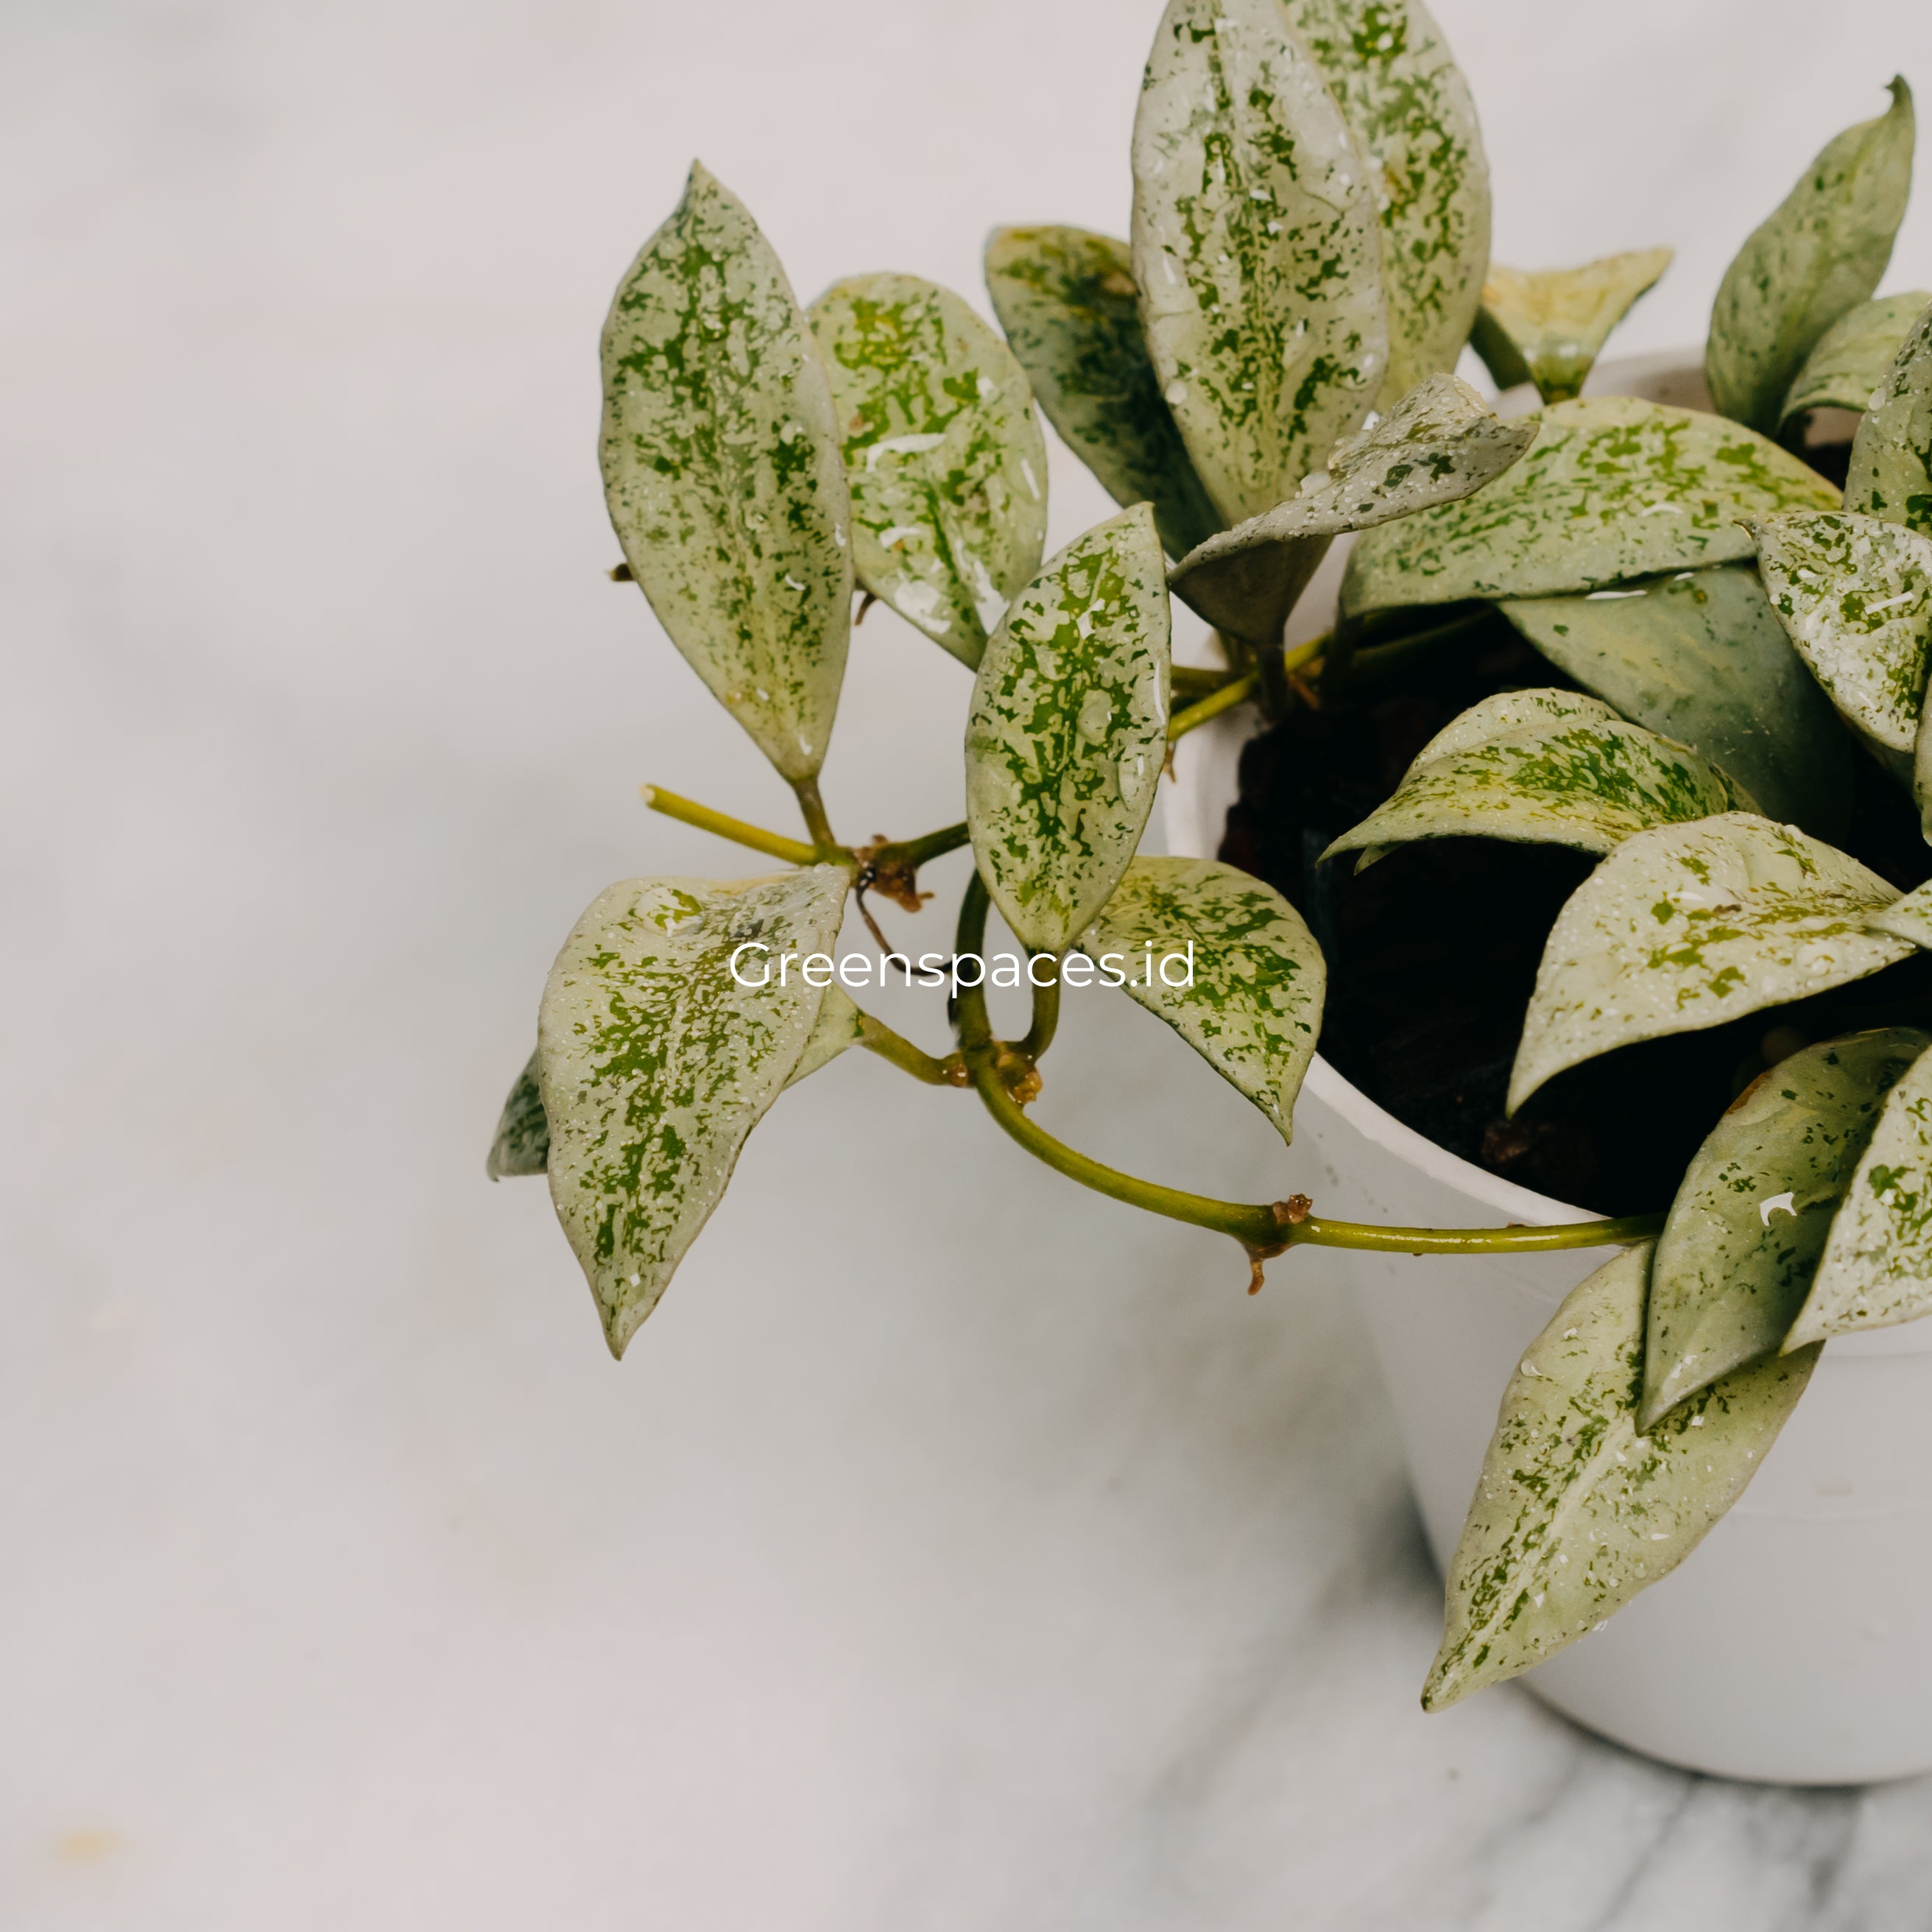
1737	1255
1818	256
655	1063
1891	471
1613	488
522	1145
946	464
1687	926
1854	357
1254	1010
721	470
1068	730
1550	325
1066	298
1256	247
1575	1512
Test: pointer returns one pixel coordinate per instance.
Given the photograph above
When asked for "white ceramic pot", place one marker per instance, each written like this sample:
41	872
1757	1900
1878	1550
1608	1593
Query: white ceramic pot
1794	1645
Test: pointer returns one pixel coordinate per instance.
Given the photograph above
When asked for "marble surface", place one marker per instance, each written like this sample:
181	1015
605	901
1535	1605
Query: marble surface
951	1552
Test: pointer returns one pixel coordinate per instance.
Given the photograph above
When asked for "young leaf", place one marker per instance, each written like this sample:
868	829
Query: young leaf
1700	657
722	471
946	464
1853	358
1066	299
656	1062
1613	488
1575	1512
1439	443
1256	246
1819	254
1548	325
1687	926
1252	1007
838	1027
1876	1268
1855	596
1737	1255
1409	107
1891	471
1068	730
522	1145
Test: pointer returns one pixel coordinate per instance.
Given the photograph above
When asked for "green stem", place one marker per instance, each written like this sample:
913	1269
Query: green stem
1193	681
877	1037
1236	691
816	822
915	852
773	845
1045	1010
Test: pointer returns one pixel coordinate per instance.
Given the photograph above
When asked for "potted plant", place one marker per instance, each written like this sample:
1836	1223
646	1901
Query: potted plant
1571	765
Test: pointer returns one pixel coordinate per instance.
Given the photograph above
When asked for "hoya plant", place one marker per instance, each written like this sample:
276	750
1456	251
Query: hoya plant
1674	657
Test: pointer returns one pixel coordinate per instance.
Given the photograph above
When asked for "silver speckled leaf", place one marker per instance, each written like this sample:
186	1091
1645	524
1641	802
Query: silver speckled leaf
1876	1268
1890	474
1068	730
1749	1222
1066	298
1689	926
1548	325
1613	488
522	1145
1256	247
944	460
656	1062
1908	918
1409	107
1575	1512
839	1025
1855	594
1819	253
1439	443
1853	357
1700	656
1253	1011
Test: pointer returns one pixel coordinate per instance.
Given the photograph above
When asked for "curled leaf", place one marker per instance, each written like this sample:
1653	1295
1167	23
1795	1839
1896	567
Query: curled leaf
721	470
1575	1512
1548	325
1687	926
1256	248
522	1145
1890	474
946	466
1853	358
839	1024
1909	918
1066	299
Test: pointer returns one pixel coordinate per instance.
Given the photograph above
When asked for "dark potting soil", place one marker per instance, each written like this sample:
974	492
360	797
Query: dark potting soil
1433	952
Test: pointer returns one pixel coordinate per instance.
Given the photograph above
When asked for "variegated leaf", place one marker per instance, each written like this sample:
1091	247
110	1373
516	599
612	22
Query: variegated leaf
945	462
1067	733
1252	1006
1855	596
1687	926
656	1062
1853	357
1891	471
1439	443
1700	656
1256	247
1737	1255
1575	1512
1409	109
1613	488
722	471
1819	255
1066	299
522	1145
1909	918
839	1024
1876	1268
1549	325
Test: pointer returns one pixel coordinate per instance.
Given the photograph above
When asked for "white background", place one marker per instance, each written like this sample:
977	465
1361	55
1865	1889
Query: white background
954	1550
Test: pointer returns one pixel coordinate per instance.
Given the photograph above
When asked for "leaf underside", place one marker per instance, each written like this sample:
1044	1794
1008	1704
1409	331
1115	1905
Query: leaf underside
1891	471
522	1145
1853	358
1548	325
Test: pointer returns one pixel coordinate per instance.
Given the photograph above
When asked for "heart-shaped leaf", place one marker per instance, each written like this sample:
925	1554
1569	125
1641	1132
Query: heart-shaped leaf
1700	657
1853	358
1737	1255
1687	926
1068	730
522	1145
1820	253
1575	1512
1613	488
656	1061
1256	248
1876	1268
1549	325
1066	299
839	1024
1587	781
1891	471
722	471
1251	1005
1409	107
945	462
1440	442
1855	596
